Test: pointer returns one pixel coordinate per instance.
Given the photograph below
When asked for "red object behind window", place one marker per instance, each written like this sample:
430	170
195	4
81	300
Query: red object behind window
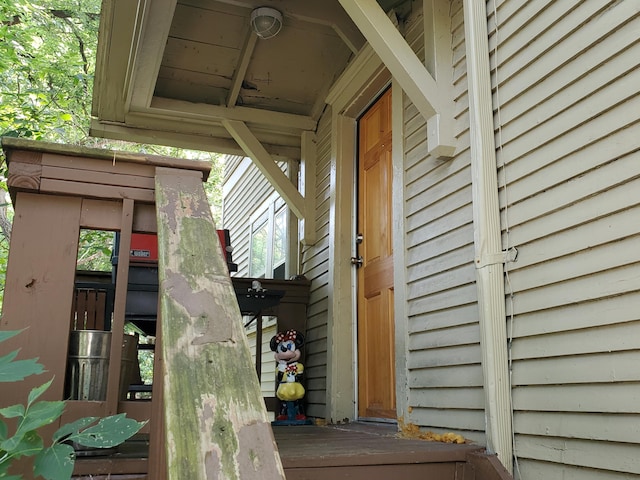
144	247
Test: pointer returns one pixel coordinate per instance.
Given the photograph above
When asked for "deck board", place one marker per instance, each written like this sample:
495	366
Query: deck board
354	451
310	446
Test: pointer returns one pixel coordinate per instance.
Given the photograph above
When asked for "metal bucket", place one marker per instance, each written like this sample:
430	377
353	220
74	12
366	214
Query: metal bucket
88	365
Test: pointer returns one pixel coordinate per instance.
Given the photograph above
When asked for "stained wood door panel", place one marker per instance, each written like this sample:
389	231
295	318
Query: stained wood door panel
376	366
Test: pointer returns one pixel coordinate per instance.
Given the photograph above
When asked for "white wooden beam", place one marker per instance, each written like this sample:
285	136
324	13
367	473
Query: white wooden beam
407	70
148	56
276	120
439	61
254	149
194	140
308	161
113	62
207	127
241	68
341	389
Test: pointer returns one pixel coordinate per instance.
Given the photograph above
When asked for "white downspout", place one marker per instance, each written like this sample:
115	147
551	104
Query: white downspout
487	236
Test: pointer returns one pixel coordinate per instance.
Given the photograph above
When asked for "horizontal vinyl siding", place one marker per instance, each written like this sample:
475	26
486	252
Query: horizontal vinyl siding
247	189
268	372
231	163
568	87
248	193
315	266
444	370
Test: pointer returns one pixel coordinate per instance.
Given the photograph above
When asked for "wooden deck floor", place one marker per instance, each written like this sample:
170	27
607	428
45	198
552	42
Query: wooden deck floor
366	451
355	451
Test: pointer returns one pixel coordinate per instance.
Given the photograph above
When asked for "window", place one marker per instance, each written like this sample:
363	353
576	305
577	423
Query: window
269	241
259	240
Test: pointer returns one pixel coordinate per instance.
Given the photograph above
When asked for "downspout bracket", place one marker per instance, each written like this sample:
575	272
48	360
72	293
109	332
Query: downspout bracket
503	257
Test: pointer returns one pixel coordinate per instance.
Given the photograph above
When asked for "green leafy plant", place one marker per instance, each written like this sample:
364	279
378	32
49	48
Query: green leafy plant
56	461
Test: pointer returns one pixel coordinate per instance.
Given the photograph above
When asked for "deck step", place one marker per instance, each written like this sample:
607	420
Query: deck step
375	452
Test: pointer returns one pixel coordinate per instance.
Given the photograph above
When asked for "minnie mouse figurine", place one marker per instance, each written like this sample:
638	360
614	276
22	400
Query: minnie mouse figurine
290	391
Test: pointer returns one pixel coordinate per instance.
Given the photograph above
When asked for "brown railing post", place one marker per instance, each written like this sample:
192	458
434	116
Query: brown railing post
215	418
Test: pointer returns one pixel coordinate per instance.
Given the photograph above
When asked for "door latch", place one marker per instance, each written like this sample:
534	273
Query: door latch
357	261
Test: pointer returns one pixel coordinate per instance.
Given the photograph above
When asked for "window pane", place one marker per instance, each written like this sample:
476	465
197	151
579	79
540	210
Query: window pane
279	236
259	251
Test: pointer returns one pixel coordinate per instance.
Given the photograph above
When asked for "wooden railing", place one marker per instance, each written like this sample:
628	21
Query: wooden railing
215	418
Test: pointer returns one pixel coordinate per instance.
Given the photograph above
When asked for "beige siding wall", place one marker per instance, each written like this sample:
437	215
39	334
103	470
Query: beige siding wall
315	266
268	372
568	135
245	190
445	375
567	83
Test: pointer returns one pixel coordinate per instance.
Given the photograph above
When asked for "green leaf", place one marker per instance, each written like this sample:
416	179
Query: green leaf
40	414
15	371
36	416
11	443
7	334
109	432
30	444
13	411
73	427
36	392
4	431
10	477
55	462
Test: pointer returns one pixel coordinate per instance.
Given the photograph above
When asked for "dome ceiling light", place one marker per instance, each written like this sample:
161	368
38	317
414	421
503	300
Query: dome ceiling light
266	22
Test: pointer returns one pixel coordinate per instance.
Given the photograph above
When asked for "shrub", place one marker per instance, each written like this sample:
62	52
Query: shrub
56	461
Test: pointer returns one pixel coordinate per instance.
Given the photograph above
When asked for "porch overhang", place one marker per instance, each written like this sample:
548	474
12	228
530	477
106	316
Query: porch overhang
191	74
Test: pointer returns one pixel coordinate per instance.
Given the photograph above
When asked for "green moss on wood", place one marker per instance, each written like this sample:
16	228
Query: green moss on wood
211	388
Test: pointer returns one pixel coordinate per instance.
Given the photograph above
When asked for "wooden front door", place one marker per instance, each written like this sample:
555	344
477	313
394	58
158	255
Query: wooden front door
376	365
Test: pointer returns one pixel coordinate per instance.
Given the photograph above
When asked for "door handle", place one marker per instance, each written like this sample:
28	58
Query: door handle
357	261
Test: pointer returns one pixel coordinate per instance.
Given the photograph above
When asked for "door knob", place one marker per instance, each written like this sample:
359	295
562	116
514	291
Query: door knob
357	261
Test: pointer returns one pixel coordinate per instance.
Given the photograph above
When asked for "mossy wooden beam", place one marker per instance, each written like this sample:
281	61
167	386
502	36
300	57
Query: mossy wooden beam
215	418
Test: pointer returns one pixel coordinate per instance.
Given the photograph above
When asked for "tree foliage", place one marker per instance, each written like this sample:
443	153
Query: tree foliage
47	57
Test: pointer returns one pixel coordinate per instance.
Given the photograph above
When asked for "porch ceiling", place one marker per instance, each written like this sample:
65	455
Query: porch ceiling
173	71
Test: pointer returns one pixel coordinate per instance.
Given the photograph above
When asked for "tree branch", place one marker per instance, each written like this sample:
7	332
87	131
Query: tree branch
5	224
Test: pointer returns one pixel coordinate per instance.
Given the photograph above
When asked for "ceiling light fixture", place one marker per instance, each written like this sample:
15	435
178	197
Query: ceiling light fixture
266	22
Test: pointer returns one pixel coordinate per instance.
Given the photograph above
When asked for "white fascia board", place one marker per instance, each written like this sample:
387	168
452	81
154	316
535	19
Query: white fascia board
147	58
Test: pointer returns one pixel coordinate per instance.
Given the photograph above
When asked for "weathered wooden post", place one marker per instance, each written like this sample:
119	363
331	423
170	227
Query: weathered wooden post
215	418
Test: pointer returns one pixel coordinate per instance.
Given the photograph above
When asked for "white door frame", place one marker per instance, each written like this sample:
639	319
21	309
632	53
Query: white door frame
354	91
